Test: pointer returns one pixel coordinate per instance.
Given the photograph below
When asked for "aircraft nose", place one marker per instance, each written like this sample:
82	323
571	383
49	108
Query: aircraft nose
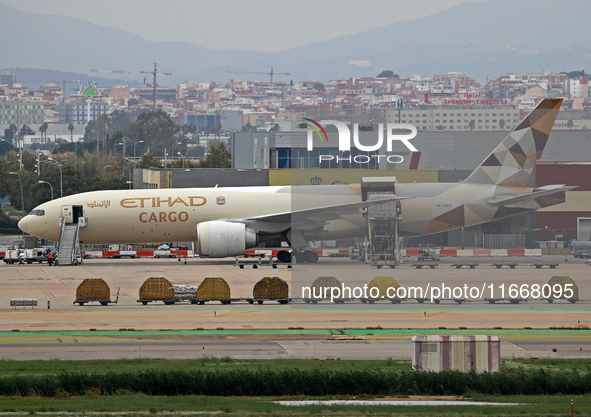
22	224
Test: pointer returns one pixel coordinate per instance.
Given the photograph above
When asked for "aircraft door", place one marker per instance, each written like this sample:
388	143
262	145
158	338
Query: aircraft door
68	214
77	212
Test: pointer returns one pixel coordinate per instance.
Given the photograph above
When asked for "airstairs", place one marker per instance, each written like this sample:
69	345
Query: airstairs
69	243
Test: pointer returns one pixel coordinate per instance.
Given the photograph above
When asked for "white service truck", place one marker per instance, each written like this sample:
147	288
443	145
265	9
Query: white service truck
22	256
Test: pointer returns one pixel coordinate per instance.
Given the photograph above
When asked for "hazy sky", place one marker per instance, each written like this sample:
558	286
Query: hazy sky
265	25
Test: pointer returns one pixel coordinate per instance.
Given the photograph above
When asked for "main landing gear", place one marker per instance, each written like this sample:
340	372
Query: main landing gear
301	256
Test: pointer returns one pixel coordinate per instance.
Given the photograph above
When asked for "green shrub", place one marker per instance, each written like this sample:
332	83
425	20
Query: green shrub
315	382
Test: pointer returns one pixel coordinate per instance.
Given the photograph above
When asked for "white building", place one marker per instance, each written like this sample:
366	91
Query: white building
456	119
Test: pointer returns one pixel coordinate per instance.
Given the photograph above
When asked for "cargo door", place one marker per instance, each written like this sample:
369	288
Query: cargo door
584	228
68	214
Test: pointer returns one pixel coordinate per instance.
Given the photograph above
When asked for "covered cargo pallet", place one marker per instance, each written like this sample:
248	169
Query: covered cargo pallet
157	289
214	289
480	353
384	291
93	289
321	289
271	288
561	288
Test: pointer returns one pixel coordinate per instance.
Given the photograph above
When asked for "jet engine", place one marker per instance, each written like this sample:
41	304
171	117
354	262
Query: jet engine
218	239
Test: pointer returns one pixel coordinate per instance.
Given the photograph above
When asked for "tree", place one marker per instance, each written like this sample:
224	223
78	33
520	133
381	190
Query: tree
186	132
71	129
247	127
387	74
6	180
218	157
26	130
29	160
8	135
570	124
148	160
471	124
5	147
319	87
196	151
182	163
7	223
217	128
576	74
158	131
275	128
502	124
117	120
106	183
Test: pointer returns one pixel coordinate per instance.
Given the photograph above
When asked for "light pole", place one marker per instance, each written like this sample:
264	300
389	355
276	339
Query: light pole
135	143
41	167
45	182
123	139
61	177
183	158
129	182
135	162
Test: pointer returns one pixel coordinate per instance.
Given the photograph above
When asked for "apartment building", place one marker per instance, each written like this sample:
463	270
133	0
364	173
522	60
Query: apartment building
446	118
22	112
82	112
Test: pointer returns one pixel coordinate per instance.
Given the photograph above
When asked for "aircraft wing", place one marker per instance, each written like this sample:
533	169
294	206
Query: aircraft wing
531	200
317	217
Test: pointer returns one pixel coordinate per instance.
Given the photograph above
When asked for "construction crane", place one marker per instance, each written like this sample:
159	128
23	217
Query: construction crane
270	73
63	82
154	72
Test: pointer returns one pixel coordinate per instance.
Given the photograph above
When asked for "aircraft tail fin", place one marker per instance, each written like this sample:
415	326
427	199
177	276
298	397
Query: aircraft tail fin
512	161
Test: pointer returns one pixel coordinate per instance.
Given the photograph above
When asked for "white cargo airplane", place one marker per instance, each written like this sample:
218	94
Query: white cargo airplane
226	221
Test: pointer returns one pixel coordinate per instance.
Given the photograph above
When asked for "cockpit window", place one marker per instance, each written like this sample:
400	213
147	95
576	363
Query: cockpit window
37	213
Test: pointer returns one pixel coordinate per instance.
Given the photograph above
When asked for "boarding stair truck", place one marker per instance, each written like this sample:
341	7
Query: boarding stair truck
71	220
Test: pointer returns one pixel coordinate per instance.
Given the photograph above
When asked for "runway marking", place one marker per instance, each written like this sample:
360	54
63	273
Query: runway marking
53	296
61	282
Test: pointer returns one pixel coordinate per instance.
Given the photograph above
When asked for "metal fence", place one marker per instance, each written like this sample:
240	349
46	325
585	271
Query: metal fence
10	240
504	241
